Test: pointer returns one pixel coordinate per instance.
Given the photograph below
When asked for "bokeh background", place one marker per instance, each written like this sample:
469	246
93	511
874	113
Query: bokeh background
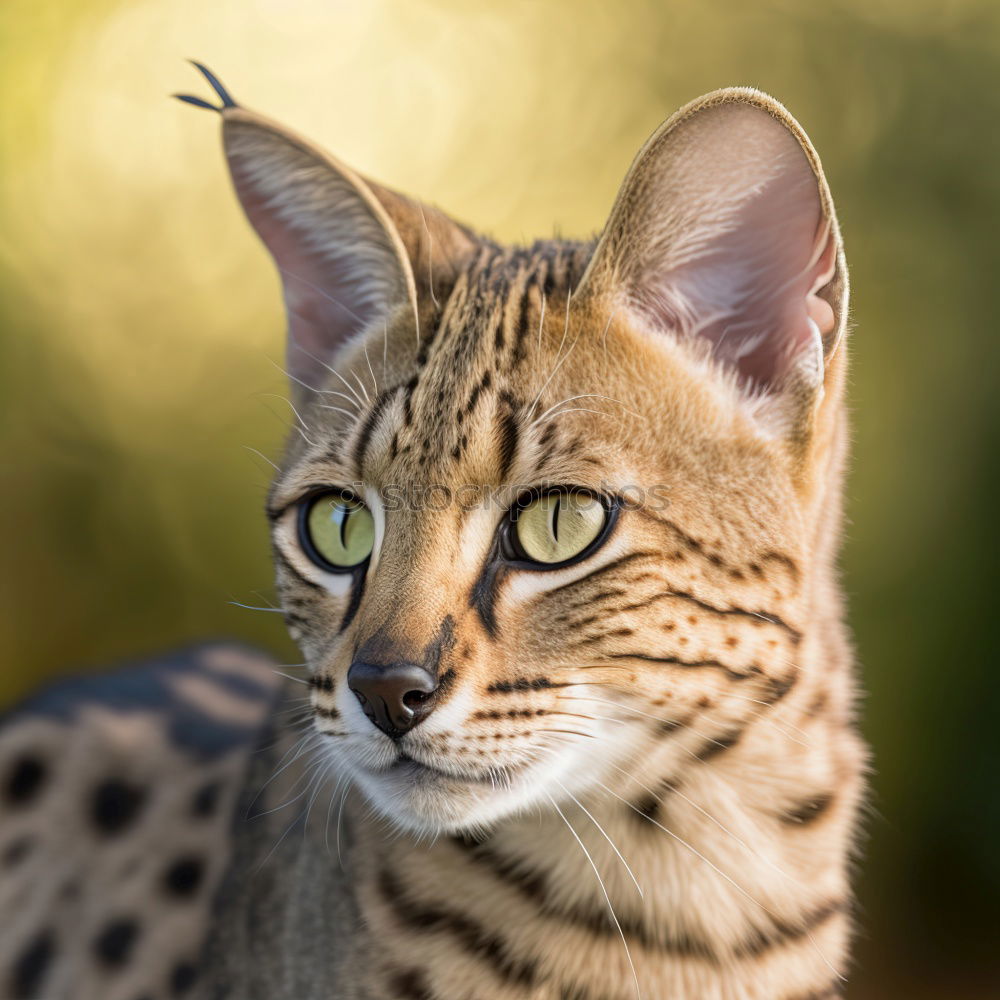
140	329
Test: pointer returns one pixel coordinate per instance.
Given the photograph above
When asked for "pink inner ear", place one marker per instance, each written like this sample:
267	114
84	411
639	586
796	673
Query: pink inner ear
726	240
750	285
341	267
322	306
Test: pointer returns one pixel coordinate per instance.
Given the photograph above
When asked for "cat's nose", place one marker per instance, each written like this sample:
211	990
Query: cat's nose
395	697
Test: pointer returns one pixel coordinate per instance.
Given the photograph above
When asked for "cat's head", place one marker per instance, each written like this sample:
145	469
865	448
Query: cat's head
551	515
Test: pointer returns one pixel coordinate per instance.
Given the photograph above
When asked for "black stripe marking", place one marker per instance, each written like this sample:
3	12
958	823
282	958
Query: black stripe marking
368	427
357	592
509	433
533	885
808	811
521	333
692	543
756	616
484	591
713	747
674	661
408	391
782	932
470	934
524	684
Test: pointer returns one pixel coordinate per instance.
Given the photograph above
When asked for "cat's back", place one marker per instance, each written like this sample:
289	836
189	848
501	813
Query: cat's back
118	795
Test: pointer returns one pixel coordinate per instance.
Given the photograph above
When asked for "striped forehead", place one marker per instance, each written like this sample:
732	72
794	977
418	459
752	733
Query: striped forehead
476	374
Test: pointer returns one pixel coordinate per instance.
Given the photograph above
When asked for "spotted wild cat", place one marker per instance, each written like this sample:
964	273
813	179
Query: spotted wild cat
556	531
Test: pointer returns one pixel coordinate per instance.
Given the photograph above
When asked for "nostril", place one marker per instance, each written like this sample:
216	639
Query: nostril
414	699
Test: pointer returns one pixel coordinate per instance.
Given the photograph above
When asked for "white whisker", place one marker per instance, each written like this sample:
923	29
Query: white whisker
607	898
756	902
260	454
604	834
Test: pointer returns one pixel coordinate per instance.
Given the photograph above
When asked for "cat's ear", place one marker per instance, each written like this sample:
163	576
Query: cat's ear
351	254
724	230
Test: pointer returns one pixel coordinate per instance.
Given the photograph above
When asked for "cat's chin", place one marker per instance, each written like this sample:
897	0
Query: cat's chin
430	802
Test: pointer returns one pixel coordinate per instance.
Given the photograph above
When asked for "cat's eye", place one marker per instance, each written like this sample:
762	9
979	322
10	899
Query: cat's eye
559	526
336	531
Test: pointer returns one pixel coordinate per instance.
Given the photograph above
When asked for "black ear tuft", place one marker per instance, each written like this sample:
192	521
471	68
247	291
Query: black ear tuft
216	85
196	101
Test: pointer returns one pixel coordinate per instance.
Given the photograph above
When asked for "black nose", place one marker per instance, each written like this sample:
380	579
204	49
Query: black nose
395	697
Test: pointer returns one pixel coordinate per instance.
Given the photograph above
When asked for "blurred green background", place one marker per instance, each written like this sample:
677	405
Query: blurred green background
140	326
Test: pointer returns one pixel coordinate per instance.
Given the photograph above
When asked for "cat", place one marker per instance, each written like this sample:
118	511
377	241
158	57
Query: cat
556	531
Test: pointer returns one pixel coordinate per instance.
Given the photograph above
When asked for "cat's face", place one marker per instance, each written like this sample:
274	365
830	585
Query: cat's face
675	614
550	516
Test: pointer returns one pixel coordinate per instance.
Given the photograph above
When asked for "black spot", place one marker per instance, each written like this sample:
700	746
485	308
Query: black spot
16	851
648	806
206	800
32	964
25	780
182	978
70	891
411	985
114	944
184	876
115	805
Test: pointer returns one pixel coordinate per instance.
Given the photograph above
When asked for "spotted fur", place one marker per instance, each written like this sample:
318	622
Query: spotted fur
641	774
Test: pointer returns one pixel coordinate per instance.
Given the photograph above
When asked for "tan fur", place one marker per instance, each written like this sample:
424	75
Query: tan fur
743	857
675	711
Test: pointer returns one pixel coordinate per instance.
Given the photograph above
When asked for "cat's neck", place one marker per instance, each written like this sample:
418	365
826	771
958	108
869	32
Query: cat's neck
731	882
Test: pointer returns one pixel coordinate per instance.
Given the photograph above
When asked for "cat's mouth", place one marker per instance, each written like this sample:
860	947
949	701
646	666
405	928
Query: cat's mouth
407	767
444	796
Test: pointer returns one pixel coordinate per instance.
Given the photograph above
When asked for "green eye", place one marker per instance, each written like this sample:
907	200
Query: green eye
336	531
559	526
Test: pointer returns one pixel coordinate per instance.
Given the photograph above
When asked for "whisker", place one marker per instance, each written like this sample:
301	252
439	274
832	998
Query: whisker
305	743
675	790
569	732
260	454
585	395
339	409
559	360
291	677
312	388
281	839
329	812
430	259
370	369
291	405
603	834
600	882
361	385
774	916
250	607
